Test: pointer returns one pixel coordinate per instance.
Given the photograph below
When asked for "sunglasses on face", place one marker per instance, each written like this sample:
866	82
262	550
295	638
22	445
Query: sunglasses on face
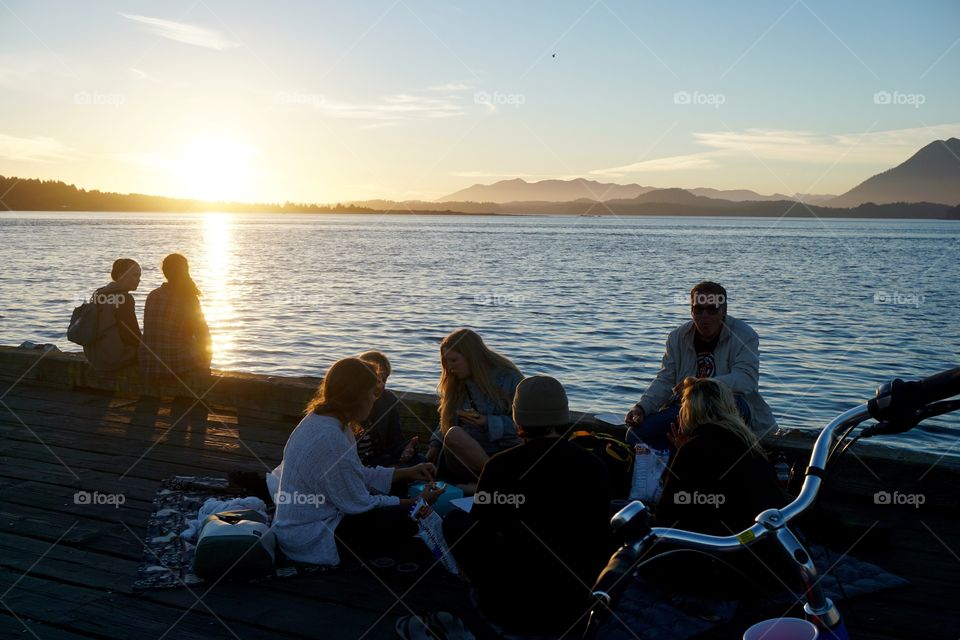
709	309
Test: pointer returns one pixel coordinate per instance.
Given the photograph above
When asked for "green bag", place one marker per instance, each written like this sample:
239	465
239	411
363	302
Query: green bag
235	544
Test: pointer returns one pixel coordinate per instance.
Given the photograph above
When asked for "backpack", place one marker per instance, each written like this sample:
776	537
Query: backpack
84	324
94	327
234	544
616	455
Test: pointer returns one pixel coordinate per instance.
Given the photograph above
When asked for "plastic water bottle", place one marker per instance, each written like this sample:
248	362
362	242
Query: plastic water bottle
782	467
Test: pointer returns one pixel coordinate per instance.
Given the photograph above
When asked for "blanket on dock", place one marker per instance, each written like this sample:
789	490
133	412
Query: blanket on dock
645	611
167	558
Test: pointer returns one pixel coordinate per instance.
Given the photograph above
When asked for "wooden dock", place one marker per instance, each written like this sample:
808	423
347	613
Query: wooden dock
67	568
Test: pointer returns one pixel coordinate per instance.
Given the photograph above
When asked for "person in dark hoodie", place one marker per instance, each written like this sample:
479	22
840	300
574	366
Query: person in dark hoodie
176	342
538	533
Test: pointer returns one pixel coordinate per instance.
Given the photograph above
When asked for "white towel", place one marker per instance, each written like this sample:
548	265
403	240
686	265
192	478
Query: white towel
212	506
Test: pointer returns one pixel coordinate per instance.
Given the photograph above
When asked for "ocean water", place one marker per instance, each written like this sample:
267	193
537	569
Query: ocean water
840	305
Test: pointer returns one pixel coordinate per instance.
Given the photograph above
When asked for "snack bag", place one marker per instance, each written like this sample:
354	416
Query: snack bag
430	527
649	466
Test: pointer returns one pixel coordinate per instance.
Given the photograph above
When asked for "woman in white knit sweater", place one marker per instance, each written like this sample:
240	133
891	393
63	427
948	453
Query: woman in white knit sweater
329	506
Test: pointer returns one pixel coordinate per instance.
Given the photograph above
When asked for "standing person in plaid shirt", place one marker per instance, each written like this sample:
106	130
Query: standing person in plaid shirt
176	343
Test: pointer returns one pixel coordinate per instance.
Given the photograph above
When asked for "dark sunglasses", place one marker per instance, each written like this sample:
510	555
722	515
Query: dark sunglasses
705	308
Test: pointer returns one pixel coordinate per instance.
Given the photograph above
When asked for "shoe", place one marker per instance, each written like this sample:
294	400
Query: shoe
413	628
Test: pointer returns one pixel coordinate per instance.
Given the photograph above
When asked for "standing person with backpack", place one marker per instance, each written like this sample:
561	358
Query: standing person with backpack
176	345
109	331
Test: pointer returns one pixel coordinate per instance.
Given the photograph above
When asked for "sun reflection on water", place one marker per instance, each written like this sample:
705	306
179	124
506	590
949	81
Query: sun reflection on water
215	284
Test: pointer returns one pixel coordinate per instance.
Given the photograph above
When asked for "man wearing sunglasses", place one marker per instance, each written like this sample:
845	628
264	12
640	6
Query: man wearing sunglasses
711	345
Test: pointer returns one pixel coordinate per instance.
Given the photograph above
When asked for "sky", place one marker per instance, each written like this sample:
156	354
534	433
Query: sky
409	99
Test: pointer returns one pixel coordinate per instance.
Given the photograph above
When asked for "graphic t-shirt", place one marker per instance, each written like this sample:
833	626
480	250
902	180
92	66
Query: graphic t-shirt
706	365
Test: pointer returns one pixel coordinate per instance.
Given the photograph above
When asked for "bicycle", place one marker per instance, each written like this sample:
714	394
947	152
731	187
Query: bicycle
897	407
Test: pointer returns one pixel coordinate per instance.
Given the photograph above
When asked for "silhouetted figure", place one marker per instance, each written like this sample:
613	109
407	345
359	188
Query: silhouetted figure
176	344
118	329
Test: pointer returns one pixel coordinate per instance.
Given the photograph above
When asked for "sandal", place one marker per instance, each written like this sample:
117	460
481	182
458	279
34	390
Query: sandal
447	626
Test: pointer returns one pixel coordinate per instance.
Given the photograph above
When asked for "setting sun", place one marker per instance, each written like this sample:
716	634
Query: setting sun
214	168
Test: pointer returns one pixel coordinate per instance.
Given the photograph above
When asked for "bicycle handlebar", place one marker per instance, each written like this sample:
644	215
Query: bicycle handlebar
897	398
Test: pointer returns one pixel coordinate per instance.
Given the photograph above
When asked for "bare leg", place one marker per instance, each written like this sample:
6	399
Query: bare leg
462	446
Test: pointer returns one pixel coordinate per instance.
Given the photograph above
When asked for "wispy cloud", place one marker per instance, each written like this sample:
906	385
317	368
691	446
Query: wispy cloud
185	33
450	87
140	74
36	149
494	174
671	163
394	108
879	148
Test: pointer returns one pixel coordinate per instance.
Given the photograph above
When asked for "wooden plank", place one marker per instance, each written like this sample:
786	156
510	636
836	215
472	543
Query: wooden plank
72	448
186	434
14	627
120	616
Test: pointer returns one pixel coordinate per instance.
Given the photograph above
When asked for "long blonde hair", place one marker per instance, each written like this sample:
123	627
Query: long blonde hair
483	362
707	401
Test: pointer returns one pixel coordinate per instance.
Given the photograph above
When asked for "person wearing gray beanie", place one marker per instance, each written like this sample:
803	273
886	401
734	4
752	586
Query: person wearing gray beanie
538	532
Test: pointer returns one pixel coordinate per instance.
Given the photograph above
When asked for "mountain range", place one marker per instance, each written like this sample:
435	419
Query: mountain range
931	175
519	190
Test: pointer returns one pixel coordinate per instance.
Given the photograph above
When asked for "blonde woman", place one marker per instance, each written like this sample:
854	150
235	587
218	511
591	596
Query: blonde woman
328	503
476	391
718	480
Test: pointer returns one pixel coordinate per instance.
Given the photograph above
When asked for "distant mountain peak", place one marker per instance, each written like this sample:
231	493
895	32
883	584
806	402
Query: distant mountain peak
932	174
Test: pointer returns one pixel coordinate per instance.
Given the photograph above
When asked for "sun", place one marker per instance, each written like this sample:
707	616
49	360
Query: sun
213	168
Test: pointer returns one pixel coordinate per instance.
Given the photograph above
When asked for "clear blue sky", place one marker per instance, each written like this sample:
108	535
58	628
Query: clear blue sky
323	101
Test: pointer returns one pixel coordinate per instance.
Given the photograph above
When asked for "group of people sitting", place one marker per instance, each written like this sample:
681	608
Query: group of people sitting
537	535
